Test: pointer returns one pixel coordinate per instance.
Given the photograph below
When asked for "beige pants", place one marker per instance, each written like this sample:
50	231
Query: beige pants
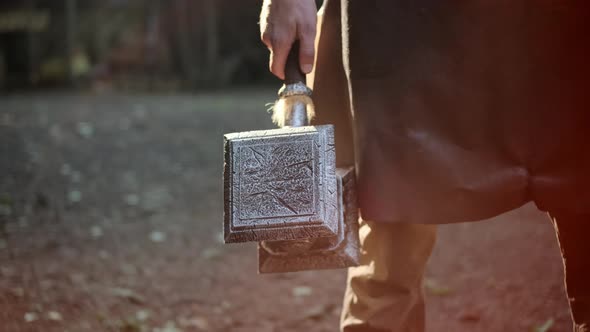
385	292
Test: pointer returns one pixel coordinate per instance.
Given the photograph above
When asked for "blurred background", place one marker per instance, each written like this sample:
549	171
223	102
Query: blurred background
111	121
151	45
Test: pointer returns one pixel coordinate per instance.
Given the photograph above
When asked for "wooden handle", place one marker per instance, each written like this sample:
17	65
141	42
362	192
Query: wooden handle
293	73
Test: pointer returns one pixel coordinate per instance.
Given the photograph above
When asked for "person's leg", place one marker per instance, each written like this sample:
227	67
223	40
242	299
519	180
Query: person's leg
385	294
573	232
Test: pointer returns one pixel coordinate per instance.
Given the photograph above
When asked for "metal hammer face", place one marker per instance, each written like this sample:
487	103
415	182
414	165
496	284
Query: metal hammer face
280	185
282	189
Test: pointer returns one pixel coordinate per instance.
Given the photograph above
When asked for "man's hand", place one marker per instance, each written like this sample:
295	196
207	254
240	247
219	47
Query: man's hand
282	22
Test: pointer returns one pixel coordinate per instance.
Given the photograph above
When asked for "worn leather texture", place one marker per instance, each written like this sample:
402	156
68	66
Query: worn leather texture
458	111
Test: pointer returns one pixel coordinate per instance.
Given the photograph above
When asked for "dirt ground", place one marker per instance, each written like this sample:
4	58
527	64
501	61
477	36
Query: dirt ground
111	220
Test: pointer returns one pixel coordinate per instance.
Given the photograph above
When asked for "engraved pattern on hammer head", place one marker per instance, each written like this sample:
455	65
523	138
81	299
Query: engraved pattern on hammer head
276	180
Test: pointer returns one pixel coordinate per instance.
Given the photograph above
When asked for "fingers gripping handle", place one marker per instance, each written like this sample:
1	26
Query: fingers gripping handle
294	107
293	73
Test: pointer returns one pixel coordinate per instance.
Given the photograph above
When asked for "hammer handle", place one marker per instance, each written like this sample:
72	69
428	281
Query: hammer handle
293	73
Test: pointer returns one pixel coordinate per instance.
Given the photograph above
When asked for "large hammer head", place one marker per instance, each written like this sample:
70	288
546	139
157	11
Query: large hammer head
319	253
281	185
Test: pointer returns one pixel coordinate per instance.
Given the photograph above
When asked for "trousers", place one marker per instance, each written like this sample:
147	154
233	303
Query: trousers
385	293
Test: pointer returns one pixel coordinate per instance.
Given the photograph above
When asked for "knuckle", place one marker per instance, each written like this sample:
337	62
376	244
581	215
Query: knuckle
266	37
307	48
308	30
278	40
274	39
307	55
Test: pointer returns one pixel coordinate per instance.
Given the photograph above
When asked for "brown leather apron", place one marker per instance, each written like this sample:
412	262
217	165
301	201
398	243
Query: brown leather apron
460	110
